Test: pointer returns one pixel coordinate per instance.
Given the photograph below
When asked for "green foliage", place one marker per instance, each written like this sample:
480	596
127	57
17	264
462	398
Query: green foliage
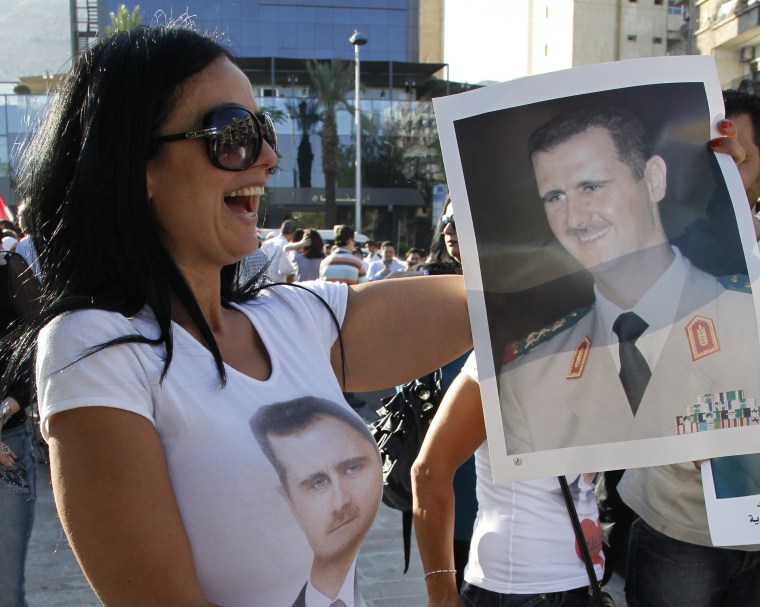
123	21
22	89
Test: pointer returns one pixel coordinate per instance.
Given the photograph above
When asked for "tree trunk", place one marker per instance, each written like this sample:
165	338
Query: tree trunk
305	160
330	167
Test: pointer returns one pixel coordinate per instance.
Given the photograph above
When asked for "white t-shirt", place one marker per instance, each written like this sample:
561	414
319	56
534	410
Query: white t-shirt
523	541
281	266
248	548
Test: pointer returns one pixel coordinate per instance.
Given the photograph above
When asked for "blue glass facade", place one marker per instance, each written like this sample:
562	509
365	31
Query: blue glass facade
305	29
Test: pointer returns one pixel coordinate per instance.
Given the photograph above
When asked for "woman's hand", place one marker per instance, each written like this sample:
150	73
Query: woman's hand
7	456
729	144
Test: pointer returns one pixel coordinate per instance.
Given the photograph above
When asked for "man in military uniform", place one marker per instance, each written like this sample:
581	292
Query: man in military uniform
661	335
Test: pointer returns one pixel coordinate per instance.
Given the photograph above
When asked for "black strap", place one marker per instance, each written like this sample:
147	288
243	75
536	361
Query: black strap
596	591
407	517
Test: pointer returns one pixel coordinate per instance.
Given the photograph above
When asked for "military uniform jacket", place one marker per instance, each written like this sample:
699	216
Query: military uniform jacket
543	409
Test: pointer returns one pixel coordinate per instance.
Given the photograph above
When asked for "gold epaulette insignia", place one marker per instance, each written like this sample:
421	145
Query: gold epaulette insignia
703	340
580	356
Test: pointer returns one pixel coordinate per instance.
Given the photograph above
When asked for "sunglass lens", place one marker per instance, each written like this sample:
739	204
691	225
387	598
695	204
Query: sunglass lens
236	145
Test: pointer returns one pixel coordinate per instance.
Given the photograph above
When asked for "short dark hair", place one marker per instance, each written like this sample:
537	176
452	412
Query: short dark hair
293	416
419	252
632	142
387	243
739	102
288	226
343	234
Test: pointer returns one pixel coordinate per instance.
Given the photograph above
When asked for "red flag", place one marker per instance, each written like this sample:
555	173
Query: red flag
5	212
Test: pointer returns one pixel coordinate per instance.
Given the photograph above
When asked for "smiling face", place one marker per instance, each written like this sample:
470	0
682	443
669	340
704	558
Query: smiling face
208	215
412	259
334	484
389	252
595	207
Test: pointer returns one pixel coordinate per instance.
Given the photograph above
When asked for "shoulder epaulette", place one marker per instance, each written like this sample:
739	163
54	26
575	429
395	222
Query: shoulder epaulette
736	282
520	347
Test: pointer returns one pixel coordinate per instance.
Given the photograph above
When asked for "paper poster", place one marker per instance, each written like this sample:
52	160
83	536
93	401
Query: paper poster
732	498
609	259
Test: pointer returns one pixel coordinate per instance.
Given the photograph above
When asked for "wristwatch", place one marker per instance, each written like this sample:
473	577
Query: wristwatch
5	412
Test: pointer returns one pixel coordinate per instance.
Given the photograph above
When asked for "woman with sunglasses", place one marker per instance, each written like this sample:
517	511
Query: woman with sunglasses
144	180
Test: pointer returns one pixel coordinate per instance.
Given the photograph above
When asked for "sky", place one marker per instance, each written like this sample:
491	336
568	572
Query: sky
485	39
42	25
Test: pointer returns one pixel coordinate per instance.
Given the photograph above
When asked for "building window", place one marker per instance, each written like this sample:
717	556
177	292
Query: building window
657	40
631	37
658	2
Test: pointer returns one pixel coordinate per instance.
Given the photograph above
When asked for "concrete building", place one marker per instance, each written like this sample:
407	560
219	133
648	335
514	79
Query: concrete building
729	31
570	33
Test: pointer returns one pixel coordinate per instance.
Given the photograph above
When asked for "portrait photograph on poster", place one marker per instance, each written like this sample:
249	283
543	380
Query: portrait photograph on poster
609	260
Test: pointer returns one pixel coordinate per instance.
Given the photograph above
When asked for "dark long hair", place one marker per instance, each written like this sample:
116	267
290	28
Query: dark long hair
84	173
317	248
439	261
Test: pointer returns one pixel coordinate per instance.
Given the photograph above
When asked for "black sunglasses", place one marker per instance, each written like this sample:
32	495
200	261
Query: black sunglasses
448	219
233	136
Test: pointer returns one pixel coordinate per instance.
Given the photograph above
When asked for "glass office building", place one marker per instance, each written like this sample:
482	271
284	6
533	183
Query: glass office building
305	29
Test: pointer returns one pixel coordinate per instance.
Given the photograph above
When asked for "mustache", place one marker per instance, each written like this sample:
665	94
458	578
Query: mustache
589	229
346	513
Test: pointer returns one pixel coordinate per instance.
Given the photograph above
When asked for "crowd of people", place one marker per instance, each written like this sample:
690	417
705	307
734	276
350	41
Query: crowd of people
196	461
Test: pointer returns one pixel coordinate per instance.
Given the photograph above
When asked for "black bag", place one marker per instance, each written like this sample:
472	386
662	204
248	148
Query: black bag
404	421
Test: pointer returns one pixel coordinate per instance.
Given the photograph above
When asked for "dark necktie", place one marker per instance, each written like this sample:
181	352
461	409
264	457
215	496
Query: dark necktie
634	370
338	603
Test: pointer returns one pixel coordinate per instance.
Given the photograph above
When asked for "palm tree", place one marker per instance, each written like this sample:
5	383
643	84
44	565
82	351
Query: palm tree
123	21
331	81
306	111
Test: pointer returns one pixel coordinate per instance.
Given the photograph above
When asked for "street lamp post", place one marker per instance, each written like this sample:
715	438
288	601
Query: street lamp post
358	39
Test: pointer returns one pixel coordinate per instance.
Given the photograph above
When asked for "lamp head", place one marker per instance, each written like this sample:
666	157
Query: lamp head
358	39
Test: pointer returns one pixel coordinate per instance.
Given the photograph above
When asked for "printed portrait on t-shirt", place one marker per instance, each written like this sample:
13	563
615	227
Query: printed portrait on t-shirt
331	479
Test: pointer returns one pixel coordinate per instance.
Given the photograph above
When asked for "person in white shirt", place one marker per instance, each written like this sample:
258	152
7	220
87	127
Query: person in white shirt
281	267
381	269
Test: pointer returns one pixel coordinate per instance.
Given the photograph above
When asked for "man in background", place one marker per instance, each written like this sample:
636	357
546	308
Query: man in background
382	268
280	268
342	265
414	257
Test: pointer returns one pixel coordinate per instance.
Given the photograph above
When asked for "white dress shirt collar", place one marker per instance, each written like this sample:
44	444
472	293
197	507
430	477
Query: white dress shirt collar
658	307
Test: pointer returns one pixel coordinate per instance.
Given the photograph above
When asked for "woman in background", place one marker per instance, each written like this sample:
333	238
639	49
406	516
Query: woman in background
309	255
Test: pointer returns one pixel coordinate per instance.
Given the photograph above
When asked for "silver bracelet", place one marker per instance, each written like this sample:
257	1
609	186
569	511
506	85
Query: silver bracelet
439	571
5	412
